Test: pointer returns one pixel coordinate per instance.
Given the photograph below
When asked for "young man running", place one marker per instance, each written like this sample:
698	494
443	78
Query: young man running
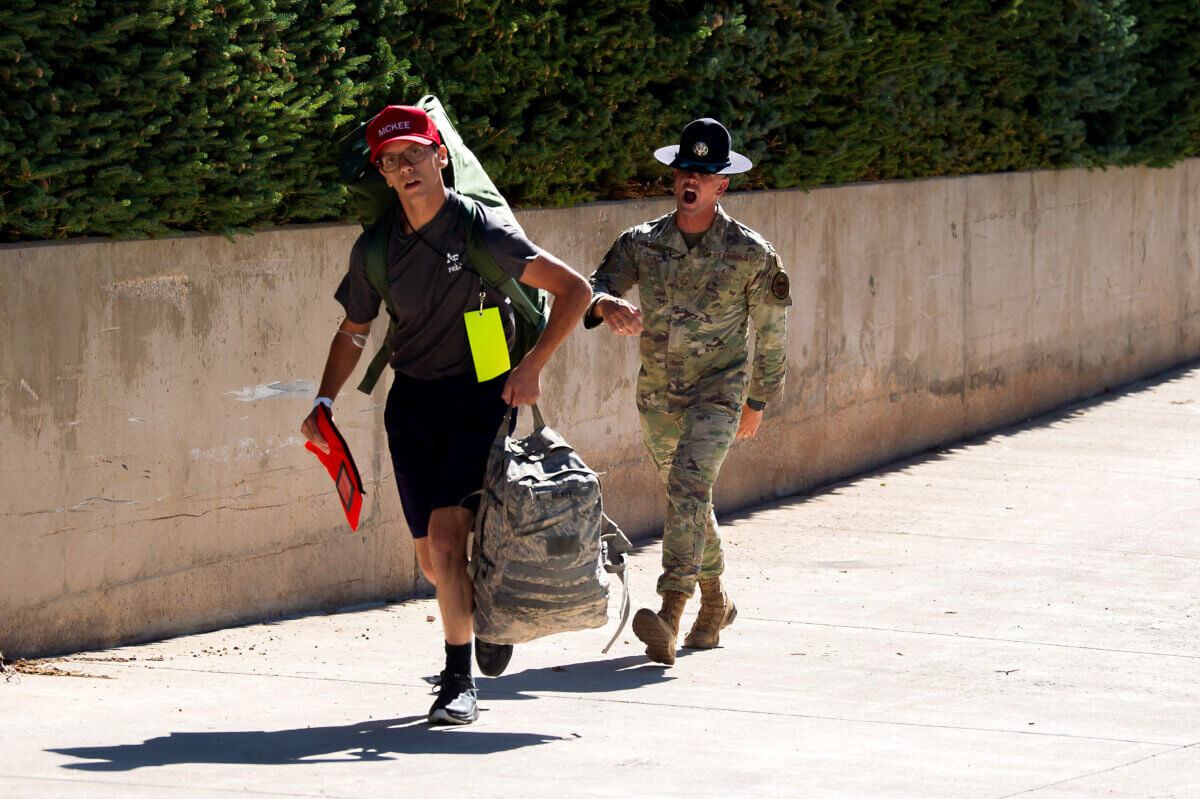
440	420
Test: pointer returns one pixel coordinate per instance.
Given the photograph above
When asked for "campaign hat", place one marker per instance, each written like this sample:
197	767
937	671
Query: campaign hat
400	123
704	146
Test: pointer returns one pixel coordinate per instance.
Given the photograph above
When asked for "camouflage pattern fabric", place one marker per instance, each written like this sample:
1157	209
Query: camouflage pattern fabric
696	310
697	306
688	448
542	547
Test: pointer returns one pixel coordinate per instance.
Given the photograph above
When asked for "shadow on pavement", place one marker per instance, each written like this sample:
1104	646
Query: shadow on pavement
366	741
589	677
374	740
1052	418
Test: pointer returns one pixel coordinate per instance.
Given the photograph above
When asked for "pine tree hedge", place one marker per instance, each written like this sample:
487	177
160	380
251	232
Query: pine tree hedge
142	118
133	119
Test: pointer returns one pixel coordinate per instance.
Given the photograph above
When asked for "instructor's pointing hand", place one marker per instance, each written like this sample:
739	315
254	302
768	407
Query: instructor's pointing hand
620	315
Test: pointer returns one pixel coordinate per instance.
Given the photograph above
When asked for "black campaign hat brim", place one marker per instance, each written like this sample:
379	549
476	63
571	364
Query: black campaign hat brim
738	163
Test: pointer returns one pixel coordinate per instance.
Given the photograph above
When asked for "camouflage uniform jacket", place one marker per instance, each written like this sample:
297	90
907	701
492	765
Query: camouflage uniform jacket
696	308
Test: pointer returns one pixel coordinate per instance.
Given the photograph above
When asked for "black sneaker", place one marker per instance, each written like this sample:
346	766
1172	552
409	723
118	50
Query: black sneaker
492	658
456	700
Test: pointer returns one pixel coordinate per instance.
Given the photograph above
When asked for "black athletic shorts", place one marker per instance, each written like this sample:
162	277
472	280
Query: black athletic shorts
439	434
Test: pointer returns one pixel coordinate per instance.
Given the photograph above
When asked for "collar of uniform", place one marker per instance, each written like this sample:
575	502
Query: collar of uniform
670	235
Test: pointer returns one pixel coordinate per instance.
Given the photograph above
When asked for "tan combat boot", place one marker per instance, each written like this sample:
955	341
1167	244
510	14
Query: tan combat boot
716	613
658	631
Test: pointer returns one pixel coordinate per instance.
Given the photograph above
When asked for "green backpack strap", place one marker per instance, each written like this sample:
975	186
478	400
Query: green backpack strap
466	175
377	239
490	271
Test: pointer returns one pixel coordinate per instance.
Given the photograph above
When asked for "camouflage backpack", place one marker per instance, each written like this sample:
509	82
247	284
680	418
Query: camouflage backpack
542	547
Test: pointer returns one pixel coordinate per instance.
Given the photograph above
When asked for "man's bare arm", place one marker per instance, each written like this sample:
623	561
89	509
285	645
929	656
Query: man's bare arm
344	352
571	296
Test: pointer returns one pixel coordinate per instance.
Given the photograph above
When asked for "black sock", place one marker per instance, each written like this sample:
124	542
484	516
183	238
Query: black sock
458	658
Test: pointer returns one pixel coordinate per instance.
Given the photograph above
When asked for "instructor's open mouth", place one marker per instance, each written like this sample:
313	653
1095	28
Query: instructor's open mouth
689	196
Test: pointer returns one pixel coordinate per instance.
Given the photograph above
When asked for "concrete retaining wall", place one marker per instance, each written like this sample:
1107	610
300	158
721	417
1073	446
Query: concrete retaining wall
154	481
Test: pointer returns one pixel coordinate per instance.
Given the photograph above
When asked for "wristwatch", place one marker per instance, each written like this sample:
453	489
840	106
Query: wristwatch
755	405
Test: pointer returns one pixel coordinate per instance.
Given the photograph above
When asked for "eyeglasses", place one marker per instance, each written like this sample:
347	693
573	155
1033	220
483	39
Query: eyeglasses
390	162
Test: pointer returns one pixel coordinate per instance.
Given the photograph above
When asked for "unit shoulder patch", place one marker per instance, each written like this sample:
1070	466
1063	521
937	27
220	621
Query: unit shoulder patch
781	287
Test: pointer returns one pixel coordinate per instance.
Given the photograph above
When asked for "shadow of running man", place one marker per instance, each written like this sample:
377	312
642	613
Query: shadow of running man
374	740
366	741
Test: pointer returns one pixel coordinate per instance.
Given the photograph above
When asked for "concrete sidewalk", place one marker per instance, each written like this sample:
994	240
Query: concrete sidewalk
1019	615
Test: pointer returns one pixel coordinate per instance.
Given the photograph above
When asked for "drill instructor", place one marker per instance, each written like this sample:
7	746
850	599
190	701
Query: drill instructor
702	277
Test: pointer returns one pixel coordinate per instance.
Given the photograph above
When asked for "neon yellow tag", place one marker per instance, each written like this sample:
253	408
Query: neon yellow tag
489	349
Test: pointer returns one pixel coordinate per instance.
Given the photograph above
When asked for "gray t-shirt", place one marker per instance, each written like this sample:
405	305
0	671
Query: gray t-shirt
432	285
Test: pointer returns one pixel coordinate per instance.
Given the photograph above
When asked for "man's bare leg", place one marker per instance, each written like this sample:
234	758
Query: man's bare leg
424	559
447	548
448	529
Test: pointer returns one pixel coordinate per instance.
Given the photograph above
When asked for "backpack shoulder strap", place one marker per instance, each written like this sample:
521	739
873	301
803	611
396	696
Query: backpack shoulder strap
377	239
490	271
614	545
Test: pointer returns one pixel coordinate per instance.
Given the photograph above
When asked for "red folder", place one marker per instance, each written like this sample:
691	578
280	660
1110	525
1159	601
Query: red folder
340	466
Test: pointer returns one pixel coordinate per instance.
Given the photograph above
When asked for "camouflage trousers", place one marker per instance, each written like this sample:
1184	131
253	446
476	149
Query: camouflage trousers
688	448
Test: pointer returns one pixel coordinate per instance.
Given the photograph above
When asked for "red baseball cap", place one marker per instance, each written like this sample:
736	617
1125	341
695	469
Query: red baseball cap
400	123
